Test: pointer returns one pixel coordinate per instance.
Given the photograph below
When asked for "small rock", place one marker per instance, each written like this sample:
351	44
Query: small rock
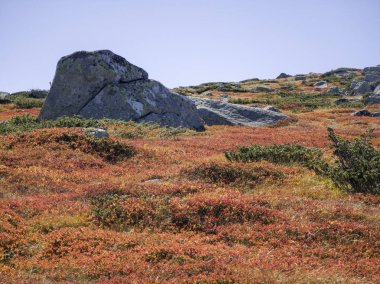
320	85
345	100
250	80
300	77
376	114
207	94
283	76
224	96
362	112
263	89
272	108
97	132
336	91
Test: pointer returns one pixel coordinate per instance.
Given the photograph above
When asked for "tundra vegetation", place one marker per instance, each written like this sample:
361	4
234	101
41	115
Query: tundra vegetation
297	202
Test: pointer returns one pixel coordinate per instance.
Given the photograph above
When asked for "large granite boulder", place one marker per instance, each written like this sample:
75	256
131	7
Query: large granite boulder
101	84
216	112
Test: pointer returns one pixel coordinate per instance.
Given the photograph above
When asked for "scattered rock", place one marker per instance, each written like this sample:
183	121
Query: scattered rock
300	77
220	113
97	132
225	96
372	74
283	76
336	91
207	94
362	112
272	108
320	85
377	90
101	84
359	88
250	80
263	89
345	101
3	95
372	99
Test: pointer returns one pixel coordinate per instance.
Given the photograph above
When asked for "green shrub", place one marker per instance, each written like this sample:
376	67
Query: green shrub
226	174
29	123
281	154
357	168
28	102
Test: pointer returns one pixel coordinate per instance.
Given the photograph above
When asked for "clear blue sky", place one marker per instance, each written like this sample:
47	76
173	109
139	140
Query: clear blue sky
183	42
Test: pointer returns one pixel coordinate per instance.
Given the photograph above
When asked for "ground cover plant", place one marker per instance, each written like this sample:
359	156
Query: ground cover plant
166	205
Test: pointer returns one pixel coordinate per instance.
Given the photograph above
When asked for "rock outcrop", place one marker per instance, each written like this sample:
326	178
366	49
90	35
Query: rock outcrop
220	113
102	84
283	76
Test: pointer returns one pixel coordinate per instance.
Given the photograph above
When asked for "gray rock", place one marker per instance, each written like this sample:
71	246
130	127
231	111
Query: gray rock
372	99
359	88
250	80
320	85
376	114
225	96
336	91
81	76
207	94
377	90
362	112
97	132
102	84
300	77
372	74
143	101
219	113
3	95
272	108
263	89
283	76
345	101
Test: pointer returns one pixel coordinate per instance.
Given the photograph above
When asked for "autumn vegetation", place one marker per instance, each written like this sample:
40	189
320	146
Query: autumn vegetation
290	203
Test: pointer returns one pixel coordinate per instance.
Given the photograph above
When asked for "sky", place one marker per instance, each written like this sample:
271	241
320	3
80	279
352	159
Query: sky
187	42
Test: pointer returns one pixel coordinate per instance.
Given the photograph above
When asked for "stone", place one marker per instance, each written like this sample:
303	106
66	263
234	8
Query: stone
372	99
283	76
359	88
81	76
262	89
143	101
300	77
362	112
225	96
215	112
320	85
271	108
345	101
250	80
336	91
207	94
101	84
377	90
97	132
376	114
3	95
372	74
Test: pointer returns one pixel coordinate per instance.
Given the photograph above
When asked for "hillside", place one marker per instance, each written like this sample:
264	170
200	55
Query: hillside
155	204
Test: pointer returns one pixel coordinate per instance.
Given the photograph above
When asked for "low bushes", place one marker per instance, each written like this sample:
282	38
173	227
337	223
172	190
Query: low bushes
281	154
356	167
226	174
